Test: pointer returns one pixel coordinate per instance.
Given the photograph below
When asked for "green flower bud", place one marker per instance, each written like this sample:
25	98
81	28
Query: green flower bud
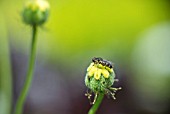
100	77
97	79
36	12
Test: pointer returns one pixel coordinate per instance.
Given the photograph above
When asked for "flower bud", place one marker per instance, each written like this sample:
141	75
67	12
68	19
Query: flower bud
100	77
35	12
97	79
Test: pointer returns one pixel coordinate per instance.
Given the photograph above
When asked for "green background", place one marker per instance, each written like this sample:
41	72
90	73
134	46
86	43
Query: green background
78	30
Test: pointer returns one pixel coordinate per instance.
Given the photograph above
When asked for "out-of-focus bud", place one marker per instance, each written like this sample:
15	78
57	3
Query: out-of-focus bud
36	12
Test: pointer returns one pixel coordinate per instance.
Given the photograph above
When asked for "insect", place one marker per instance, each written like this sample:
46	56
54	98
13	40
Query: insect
99	60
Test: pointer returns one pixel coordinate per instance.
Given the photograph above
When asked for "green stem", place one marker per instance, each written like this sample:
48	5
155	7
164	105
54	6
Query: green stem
29	75
97	104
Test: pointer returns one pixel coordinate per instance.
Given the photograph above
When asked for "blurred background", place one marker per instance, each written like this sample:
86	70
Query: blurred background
134	35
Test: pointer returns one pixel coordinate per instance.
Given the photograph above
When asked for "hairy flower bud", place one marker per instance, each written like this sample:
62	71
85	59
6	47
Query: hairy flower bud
36	12
100	77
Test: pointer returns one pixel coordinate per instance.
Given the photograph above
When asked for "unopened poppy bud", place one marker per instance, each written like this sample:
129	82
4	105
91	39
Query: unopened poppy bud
36	12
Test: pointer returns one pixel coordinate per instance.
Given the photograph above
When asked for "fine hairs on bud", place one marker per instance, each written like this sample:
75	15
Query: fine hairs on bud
35	12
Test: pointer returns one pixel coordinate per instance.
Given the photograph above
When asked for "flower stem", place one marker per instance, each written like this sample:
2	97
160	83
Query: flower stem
97	104
29	75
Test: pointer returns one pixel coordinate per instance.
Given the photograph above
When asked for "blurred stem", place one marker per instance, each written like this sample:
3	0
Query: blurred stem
5	68
97	104
29	76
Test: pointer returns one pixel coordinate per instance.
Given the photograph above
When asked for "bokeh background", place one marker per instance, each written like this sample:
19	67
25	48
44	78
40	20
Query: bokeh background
133	34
